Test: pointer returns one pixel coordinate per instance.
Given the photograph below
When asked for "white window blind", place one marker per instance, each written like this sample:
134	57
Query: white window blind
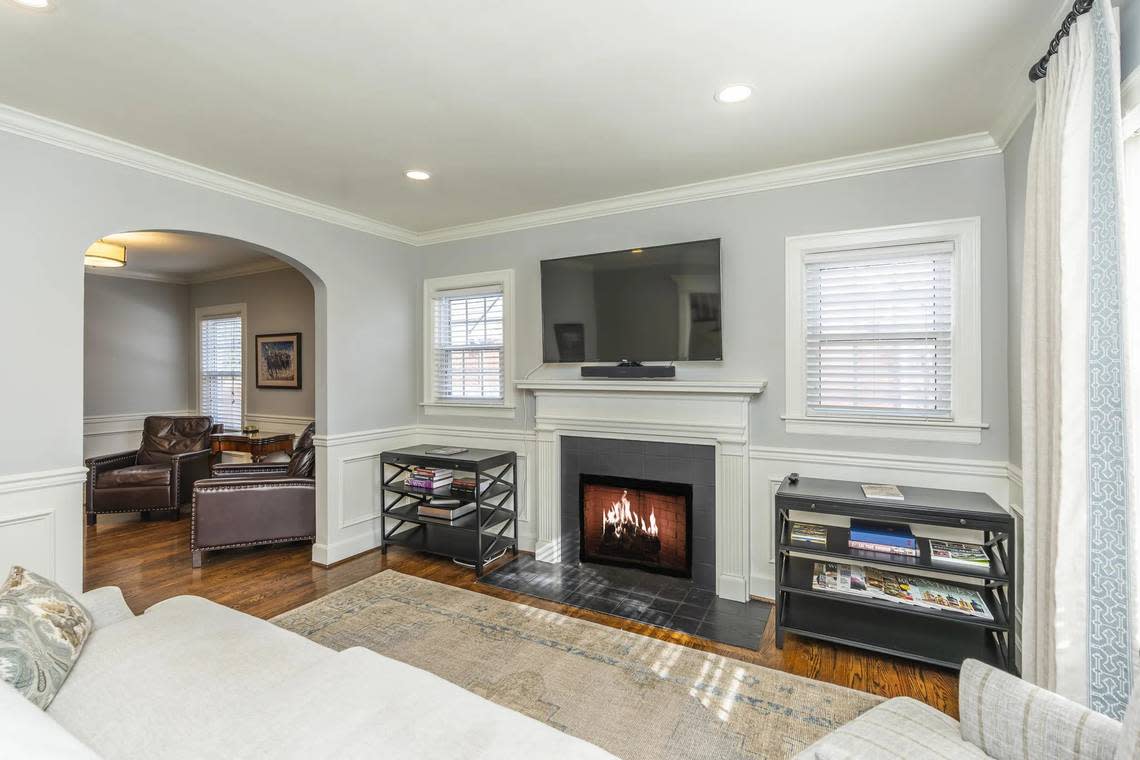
878	329
220	381
467	344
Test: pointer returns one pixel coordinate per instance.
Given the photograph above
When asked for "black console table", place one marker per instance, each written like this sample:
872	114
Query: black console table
474	538
932	636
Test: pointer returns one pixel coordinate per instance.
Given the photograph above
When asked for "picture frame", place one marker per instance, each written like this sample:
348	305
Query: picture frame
277	358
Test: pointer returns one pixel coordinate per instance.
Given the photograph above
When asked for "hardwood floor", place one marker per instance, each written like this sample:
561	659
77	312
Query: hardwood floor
150	561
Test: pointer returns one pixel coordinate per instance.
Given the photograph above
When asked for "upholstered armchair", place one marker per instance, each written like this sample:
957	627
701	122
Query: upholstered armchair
158	476
252	504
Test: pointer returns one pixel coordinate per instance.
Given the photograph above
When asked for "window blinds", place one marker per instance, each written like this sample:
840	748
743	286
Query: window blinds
220	381
467	344
878	332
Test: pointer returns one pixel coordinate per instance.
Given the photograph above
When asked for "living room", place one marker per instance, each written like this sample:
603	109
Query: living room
752	267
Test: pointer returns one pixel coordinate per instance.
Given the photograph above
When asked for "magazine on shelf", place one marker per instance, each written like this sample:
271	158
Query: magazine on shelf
809	533
953	553
915	591
863	546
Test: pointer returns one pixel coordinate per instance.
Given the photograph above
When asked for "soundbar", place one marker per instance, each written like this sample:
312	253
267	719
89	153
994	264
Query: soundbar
625	371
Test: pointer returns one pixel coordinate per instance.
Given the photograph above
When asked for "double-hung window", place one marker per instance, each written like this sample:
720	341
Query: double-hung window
467	357
220	363
883	334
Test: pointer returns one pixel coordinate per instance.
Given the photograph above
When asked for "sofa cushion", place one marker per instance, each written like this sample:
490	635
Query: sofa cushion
373	706
135	475
106	606
898	729
182	680
165	436
1129	745
42	631
26	731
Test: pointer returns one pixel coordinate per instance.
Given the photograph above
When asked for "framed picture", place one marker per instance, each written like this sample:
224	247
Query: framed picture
278	360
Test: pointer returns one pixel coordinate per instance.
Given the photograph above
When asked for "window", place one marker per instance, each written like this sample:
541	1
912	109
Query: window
883	335
220	360
467	362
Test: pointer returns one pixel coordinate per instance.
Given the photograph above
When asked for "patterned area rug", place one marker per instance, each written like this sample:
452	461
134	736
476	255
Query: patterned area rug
637	697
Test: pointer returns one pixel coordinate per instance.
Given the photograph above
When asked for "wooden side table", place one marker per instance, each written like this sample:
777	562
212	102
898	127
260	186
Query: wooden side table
257	445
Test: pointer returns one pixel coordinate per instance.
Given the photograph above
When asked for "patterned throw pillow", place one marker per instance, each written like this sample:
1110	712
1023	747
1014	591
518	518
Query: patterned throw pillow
42	630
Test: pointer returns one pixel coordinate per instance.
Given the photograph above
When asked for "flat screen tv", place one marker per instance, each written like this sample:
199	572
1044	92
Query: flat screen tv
642	304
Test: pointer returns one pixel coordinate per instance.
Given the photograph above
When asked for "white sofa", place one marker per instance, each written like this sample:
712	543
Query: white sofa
193	679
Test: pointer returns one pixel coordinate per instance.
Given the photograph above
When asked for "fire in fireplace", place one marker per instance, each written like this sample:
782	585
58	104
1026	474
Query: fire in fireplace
641	523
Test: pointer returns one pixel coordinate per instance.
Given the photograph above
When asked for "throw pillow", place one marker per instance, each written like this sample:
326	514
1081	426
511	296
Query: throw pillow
42	631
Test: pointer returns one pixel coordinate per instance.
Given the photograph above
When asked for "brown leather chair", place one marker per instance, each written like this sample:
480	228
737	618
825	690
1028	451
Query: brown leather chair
253	504
159	476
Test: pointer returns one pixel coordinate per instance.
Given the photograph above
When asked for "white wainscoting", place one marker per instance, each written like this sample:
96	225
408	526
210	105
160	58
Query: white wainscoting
41	524
110	433
349	502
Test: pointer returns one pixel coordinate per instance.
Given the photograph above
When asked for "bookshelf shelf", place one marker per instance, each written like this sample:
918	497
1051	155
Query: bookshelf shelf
474	538
932	636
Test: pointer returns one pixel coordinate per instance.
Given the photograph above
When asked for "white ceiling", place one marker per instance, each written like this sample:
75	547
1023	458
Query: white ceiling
186	257
515	106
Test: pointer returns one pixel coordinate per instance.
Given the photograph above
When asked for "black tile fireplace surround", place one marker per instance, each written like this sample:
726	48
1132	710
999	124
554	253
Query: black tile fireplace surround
689	605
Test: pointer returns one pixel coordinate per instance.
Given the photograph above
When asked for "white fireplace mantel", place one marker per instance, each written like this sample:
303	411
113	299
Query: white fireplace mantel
704	412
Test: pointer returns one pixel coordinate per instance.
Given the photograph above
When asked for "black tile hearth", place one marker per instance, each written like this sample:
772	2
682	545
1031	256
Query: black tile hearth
664	601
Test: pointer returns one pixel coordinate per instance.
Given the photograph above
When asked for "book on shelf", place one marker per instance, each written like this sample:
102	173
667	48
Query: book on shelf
865	546
426	484
433	473
956	554
445	511
466	486
911	590
876	491
809	533
884	534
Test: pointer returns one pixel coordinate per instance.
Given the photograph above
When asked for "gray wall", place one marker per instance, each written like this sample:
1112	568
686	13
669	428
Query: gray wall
753	228
276	302
1016	159
136	346
56	201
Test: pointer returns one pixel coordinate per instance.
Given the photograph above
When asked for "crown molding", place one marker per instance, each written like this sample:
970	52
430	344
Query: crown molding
90	143
63	135
197	278
920	154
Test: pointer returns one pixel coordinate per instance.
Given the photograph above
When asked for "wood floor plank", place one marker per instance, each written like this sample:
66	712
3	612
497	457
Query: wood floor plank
150	561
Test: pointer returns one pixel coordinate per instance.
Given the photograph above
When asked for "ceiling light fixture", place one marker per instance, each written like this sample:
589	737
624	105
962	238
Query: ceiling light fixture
733	93
104	254
636	250
417	174
35	5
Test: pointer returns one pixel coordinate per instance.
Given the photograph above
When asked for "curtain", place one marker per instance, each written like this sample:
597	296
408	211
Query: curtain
1079	609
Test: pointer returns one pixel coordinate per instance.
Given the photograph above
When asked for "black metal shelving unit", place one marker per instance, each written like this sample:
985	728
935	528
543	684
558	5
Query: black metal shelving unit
474	538
937	637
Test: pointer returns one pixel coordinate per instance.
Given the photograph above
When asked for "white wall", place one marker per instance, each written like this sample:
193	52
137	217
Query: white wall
55	202
1016	159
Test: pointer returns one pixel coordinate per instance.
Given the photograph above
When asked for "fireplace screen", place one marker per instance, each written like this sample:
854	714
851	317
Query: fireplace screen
641	523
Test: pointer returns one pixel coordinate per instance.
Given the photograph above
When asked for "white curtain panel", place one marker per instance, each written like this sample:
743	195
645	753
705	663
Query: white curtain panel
1079	608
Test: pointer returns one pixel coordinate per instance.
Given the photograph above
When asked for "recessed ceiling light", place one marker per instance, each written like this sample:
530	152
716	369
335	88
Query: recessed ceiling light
417	174
734	93
35	5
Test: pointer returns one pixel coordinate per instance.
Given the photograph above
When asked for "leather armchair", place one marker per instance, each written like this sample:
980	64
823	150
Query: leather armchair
252	504
158	476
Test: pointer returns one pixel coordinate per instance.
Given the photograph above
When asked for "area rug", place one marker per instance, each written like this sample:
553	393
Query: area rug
635	696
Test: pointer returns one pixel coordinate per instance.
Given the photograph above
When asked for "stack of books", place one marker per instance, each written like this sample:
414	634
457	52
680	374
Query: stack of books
428	478
444	508
465	487
809	533
916	591
887	538
952	554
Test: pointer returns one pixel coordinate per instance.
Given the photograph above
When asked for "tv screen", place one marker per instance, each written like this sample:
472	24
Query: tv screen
643	304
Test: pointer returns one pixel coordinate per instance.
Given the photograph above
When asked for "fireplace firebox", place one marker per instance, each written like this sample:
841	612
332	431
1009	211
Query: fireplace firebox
639	523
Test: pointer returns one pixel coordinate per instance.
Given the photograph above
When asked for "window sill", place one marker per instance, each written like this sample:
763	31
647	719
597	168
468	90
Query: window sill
907	430
459	409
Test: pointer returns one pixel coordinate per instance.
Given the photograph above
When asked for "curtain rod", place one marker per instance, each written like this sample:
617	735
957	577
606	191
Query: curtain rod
1039	70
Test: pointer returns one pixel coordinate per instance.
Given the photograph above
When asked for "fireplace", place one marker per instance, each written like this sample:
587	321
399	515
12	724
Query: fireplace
640	523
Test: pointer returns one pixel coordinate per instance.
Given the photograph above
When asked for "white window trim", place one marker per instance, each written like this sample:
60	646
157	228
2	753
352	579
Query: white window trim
221	310
505	279
966	374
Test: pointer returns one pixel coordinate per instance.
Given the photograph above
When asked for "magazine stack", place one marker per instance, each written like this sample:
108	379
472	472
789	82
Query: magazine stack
914	590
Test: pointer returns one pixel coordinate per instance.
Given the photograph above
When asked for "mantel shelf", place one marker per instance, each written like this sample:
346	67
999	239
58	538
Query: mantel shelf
727	387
